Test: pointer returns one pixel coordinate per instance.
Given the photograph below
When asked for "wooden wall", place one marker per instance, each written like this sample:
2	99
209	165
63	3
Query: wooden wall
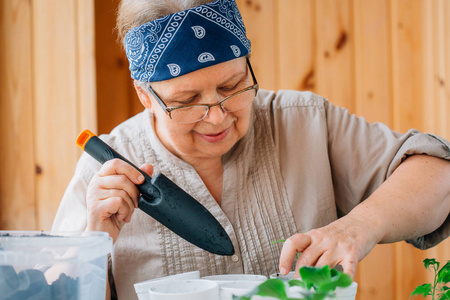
386	60
47	92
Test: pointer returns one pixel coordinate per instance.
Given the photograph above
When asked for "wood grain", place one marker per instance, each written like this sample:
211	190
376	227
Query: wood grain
117	100
297	45
56	111
408	60
17	172
260	19
418	46
87	88
373	74
335	52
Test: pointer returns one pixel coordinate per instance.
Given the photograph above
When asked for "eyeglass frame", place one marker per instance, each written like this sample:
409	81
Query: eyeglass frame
168	110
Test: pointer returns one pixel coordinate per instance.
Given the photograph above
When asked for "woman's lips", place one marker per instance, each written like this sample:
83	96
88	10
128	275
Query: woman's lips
215	137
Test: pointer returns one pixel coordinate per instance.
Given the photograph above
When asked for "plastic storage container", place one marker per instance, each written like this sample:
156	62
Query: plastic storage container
39	265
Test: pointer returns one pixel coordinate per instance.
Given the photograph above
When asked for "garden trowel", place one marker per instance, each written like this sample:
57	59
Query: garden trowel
163	200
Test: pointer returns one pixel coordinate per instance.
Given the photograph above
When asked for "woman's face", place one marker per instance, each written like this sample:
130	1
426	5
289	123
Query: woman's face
218	131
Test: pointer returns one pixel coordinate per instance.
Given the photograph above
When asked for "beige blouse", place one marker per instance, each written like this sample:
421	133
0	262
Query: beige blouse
303	163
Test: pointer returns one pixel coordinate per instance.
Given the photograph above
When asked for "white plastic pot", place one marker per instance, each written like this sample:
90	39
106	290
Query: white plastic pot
190	289
236	288
235	277
142	287
236	284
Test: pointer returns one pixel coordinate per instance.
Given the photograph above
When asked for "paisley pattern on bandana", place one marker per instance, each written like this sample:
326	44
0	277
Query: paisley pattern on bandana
186	41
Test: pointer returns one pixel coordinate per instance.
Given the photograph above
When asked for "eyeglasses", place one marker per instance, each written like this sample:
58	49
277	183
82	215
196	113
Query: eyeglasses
194	113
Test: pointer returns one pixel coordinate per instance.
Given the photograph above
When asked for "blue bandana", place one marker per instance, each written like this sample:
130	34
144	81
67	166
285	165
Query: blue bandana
186	41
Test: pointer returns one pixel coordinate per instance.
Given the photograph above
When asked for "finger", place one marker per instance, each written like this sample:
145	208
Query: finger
329	258
147	168
125	199
309	256
349	265
118	166
114	206
123	209
105	187
293	245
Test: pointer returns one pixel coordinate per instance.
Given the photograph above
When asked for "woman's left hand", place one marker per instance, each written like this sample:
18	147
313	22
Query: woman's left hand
344	242
392	213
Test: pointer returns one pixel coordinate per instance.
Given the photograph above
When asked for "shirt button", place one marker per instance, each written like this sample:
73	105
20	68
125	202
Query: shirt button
235	258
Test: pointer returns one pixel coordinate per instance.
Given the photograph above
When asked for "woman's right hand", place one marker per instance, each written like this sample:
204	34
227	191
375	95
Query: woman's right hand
112	196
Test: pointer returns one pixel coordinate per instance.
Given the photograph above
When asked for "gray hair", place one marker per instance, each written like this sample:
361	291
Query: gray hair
133	13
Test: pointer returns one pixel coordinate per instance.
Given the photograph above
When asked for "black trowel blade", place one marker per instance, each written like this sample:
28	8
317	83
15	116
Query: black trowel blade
167	203
185	216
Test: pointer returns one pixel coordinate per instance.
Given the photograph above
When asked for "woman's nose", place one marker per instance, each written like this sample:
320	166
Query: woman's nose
216	115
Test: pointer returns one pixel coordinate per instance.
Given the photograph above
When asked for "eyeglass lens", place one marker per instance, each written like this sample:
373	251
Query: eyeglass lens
193	114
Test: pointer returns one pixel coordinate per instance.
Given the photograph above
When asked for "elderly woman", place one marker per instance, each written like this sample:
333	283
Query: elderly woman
268	166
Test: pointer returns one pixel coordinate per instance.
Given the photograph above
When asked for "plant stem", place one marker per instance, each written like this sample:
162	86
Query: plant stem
435	282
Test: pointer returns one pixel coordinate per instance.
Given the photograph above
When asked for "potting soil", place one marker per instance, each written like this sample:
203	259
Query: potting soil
31	284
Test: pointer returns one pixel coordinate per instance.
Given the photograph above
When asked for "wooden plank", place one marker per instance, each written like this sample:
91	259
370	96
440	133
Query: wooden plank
373	101
297	45
441	62
409	270
375	274
87	91
260	19
445	130
437	118
55	106
373	88
115	92
335	52
418	99
17	202
430	77
408	63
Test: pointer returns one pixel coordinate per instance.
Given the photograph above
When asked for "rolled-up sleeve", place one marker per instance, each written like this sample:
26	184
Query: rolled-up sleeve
363	155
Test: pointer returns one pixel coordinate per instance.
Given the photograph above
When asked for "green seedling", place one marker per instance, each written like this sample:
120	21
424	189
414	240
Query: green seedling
439	289
316	283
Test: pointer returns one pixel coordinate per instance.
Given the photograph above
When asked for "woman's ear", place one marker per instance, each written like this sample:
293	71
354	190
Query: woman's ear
143	97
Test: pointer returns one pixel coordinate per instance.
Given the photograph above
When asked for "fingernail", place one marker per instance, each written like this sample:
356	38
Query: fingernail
283	271
141	178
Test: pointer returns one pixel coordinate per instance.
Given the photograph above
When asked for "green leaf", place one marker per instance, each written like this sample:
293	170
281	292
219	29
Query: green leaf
296	282
334	272
315	277
324	279
272	287
445	295
312	295
444	273
319	296
317	284
341	280
430	261
424	290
